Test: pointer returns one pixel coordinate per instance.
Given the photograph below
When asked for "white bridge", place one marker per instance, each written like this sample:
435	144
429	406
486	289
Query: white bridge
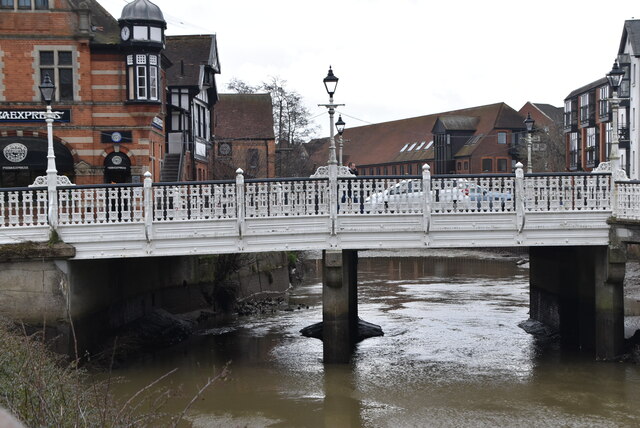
340	212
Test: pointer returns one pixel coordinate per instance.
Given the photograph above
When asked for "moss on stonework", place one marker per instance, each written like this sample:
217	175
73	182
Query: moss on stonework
36	250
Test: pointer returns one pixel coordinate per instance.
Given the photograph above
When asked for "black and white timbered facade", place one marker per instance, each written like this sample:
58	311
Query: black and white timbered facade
192	93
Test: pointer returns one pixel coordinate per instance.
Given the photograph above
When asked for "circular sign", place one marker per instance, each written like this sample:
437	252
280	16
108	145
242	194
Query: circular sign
116	137
116	160
15	152
224	149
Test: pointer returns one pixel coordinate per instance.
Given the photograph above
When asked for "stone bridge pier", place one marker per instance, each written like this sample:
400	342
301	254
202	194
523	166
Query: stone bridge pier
579	292
339	305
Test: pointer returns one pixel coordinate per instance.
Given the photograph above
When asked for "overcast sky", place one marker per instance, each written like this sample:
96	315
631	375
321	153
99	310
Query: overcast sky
404	58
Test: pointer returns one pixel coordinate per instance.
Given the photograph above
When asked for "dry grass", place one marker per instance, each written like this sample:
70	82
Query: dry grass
41	388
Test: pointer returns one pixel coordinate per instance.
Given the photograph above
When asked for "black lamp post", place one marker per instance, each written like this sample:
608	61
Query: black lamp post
528	122
615	78
47	90
331	83
340	128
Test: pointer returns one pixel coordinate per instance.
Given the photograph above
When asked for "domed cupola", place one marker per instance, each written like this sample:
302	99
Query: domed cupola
142	28
141	10
142	23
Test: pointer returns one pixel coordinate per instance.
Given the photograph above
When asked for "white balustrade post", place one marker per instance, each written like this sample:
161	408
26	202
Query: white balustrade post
147	196
519	197
427	199
240	202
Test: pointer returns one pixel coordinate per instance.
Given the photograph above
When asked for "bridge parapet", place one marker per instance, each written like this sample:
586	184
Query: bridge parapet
297	213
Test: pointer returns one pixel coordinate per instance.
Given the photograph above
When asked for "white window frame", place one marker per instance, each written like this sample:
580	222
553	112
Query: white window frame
141	82
153	82
604	100
584	107
144	77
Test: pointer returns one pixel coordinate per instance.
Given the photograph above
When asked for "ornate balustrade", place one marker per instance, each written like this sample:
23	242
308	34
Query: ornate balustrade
628	201
364	212
366	195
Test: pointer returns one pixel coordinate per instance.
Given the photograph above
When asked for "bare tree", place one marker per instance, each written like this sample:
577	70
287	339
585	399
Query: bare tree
548	149
291	120
551	156
292	123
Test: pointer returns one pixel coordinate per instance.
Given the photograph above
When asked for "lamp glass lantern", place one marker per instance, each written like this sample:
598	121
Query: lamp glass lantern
330	82
528	122
340	125
615	76
47	88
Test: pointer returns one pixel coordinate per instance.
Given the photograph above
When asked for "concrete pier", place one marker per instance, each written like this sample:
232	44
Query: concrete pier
339	305
579	292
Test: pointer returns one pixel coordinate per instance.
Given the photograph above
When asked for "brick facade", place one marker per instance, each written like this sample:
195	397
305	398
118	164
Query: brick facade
98	105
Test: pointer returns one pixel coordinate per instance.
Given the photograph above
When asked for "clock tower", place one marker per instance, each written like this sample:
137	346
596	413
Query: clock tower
142	37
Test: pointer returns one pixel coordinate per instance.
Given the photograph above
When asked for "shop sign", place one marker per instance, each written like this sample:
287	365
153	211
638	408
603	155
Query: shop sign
157	122
15	152
116	137
61	115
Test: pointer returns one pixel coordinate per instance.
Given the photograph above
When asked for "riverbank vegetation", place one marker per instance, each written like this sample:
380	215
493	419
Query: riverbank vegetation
41	388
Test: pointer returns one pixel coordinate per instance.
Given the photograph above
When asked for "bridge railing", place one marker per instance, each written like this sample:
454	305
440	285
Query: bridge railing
90	204
567	191
628	200
415	194
23	206
364	195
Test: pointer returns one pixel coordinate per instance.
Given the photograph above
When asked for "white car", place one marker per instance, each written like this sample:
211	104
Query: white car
407	196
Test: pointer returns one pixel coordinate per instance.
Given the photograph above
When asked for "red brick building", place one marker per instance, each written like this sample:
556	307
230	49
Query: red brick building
468	141
548	147
587	127
109	98
244	136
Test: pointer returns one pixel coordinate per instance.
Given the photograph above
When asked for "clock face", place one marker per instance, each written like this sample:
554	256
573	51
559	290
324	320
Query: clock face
224	149
125	33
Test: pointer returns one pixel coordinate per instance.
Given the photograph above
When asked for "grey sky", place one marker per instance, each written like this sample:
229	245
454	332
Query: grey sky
405	58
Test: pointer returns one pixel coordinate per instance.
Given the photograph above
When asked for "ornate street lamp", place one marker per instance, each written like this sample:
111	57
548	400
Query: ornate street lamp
331	83
47	89
615	78
340	128
528	122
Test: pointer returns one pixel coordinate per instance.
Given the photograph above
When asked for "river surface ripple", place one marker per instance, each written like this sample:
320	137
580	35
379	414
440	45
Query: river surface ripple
452	356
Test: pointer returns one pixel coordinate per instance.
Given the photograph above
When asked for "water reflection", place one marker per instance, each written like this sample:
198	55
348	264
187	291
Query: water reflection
452	355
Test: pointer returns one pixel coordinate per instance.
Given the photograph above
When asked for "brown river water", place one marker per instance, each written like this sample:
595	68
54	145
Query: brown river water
452	356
